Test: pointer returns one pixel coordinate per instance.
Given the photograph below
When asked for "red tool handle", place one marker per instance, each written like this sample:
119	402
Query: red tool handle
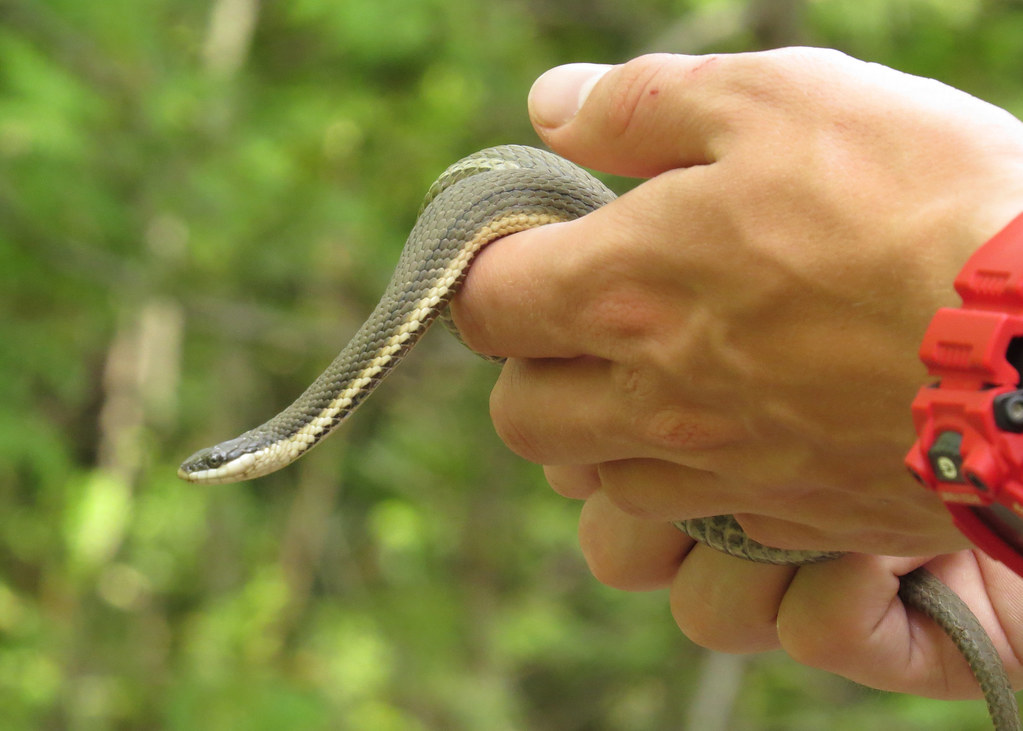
970	423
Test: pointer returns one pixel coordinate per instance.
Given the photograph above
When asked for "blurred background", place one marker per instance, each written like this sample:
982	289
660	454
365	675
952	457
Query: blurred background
199	202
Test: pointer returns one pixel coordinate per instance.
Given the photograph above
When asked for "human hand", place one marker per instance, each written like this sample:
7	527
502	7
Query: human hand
739	335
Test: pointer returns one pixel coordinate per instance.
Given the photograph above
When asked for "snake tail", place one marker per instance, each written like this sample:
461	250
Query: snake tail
919	590
923	591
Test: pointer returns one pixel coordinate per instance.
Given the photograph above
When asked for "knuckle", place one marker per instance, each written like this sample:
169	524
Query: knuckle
625	553
797	59
576	482
736	80
617	479
790	64
609	569
672	429
509	421
696	621
748	85
623	500
624	316
463	320
705	606
618	569
636	91
702	623
808	642
466	328
659	421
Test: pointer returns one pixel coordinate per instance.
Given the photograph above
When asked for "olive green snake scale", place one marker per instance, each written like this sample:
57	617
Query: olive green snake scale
477	200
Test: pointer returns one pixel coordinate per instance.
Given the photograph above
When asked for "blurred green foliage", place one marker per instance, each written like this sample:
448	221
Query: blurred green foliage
198	203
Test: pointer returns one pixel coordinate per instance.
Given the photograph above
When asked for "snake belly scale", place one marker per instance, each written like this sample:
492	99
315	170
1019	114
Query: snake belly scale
478	200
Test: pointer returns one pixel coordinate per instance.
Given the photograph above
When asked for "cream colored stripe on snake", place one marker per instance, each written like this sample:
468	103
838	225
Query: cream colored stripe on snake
477	200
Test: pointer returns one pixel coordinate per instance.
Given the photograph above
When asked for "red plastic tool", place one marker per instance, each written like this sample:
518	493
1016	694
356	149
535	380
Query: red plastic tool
970	424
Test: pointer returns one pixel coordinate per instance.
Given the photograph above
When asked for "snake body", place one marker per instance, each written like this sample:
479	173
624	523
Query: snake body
478	200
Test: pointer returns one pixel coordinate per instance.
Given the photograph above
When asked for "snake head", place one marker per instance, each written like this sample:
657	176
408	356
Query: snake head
228	461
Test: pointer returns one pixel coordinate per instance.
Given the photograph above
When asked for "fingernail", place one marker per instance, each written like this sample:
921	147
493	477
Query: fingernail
559	93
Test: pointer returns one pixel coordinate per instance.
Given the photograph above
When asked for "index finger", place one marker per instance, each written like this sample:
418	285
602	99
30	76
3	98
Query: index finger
558	291
599	285
510	305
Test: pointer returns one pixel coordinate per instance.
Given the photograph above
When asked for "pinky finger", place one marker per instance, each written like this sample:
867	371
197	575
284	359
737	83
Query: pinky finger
846	617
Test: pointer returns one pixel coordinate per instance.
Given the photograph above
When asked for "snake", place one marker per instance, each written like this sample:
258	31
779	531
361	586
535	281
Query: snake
474	202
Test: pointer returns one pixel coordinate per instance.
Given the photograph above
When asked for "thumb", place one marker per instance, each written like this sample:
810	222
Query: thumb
637	119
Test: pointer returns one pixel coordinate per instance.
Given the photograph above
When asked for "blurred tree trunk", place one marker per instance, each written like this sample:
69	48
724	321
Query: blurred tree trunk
777	23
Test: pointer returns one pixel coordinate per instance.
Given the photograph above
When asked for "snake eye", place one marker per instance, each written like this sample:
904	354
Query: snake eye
215	459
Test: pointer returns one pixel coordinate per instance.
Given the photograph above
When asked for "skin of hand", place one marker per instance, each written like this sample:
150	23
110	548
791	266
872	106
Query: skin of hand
739	334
